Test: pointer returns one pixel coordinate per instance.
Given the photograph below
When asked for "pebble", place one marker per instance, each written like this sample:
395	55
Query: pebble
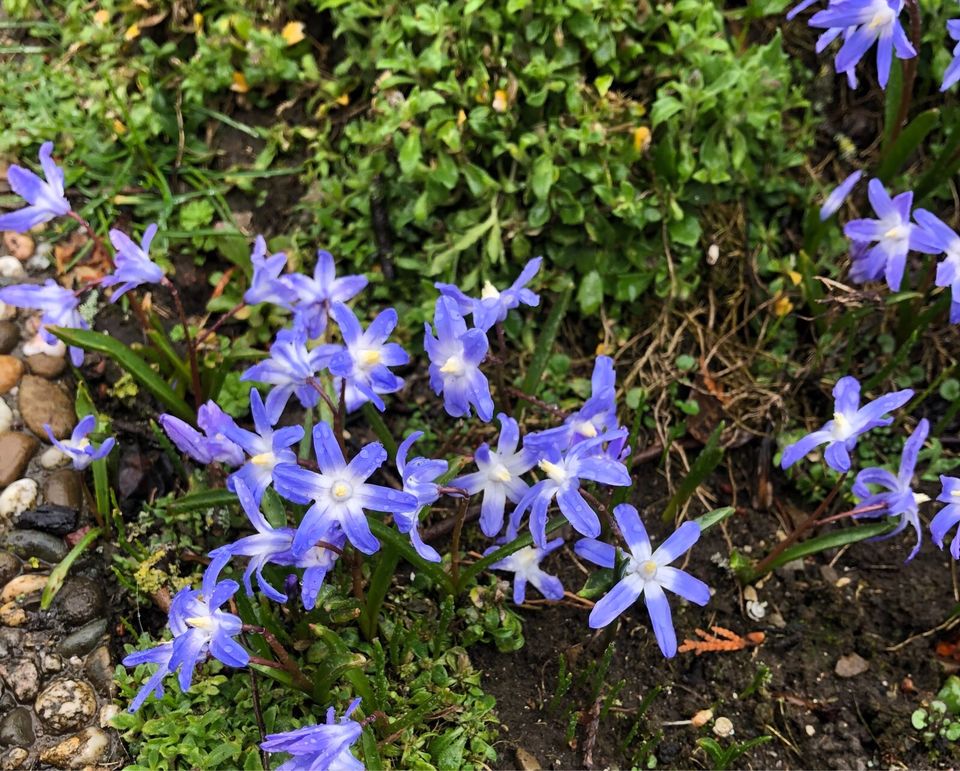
527	761
9	336
11	614
80	600
19	496
37	344
99	670
22	678
16	729
11	641
7	312
83	640
83	749
107	713
49	518
11	370
23	586
46	366
66	705
851	665
9	567
53	458
14	759
6	417
62	488
50	662
33	543
42	402
16	449
20	245
10	267
723	727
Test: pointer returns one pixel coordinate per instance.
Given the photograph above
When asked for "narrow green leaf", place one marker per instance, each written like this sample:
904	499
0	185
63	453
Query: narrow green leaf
715	517
131	362
472	571
203	499
909	140
548	334
942	168
59	573
380	429
542	176
401	545
706	462
891	105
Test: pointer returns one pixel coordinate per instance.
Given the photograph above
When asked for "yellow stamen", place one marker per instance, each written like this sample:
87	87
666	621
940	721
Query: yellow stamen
554	471
587	429
489	291
341	490
452	366
648	569
500	474
263	459
200	622
369	358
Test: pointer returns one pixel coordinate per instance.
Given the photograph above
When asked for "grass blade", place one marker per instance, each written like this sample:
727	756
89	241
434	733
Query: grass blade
705	463
59	573
531	383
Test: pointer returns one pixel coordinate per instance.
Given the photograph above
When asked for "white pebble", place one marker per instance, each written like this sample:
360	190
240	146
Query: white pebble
107	713
810	730
37	344
7	312
10	267
756	610
37	263
54	458
723	727
17	498
6	417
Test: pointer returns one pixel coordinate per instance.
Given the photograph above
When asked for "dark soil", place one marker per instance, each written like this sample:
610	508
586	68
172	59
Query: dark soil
863	601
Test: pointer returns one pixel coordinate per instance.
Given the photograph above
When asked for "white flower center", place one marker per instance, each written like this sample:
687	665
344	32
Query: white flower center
897	233
454	365
499	473
369	358
882	17
955	493
264	459
526	560
919	498
341	490
554	470
841	426
200	622
489	292
646	569
585	428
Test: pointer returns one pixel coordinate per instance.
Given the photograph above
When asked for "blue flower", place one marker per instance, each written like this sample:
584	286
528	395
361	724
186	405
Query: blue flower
419	480
133	264
874	21
324	747
952	73
597	416
59	306
78	447
212	446
899	498
836	198
46	199
525	566
892	235
316	562
564	473
268	545
799	8
648	573
494	305
850	421
289	369
939	238
339	493
498	477
948	516
161	654
316	295
366	355
266	448
455	357
267	286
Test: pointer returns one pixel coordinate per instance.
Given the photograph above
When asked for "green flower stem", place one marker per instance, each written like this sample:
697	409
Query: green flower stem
380	429
391	538
376	592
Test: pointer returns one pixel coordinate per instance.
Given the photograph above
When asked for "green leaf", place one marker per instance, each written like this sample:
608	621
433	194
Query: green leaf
543	175
919	719
131	362
715	517
59	573
590	294
603	83
202	500
708	459
410	153
909	140
949	694
548	334
891	106
950	389
402	545
599	582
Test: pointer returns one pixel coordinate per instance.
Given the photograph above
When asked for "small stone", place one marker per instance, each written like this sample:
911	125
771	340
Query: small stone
50	662
24	586
16	449
19	245
809	730
9	336
80	600
851	665
37	344
527	761
16	729
11	641
10	267
46	366
7	312
703	717
11	614
14	759
107	713
63	488
22	678
83	640
6	417
33	543
66	705
99	670
49	518
42	402
723	727
54	457
11	370
18	497
86	748
9	567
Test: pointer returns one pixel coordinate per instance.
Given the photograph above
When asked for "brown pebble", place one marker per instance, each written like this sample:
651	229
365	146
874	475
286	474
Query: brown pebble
20	245
46	366
11	370
9	336
41	402
851	665
62	488
16	449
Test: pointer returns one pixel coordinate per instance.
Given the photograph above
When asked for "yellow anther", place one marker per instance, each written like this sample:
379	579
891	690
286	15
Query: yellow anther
263	459
341	490
200	622
453	366
556	472
489	291
648	569
500	474
369	358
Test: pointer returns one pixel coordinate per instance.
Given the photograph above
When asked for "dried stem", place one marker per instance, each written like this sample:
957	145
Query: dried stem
255	693
191	349
286	662
203	334
551	408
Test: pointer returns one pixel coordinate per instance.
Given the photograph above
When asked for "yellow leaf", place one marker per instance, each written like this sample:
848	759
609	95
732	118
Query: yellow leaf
782	306
500	100
101	17
133	32
198	22
795	277
118	126
343	100
641	139
239	83
293	32
461	118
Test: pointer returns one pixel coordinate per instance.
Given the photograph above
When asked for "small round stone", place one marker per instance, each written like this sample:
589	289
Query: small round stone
46	366
42	402
66	705
9	336
11	370
16	450
7	312
23	587
99	670
17	497
19	245
63	488
83	640
9	567
22	678
33	543
49	518
10	267
6	417
53	457
16	729
80	600
81	750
